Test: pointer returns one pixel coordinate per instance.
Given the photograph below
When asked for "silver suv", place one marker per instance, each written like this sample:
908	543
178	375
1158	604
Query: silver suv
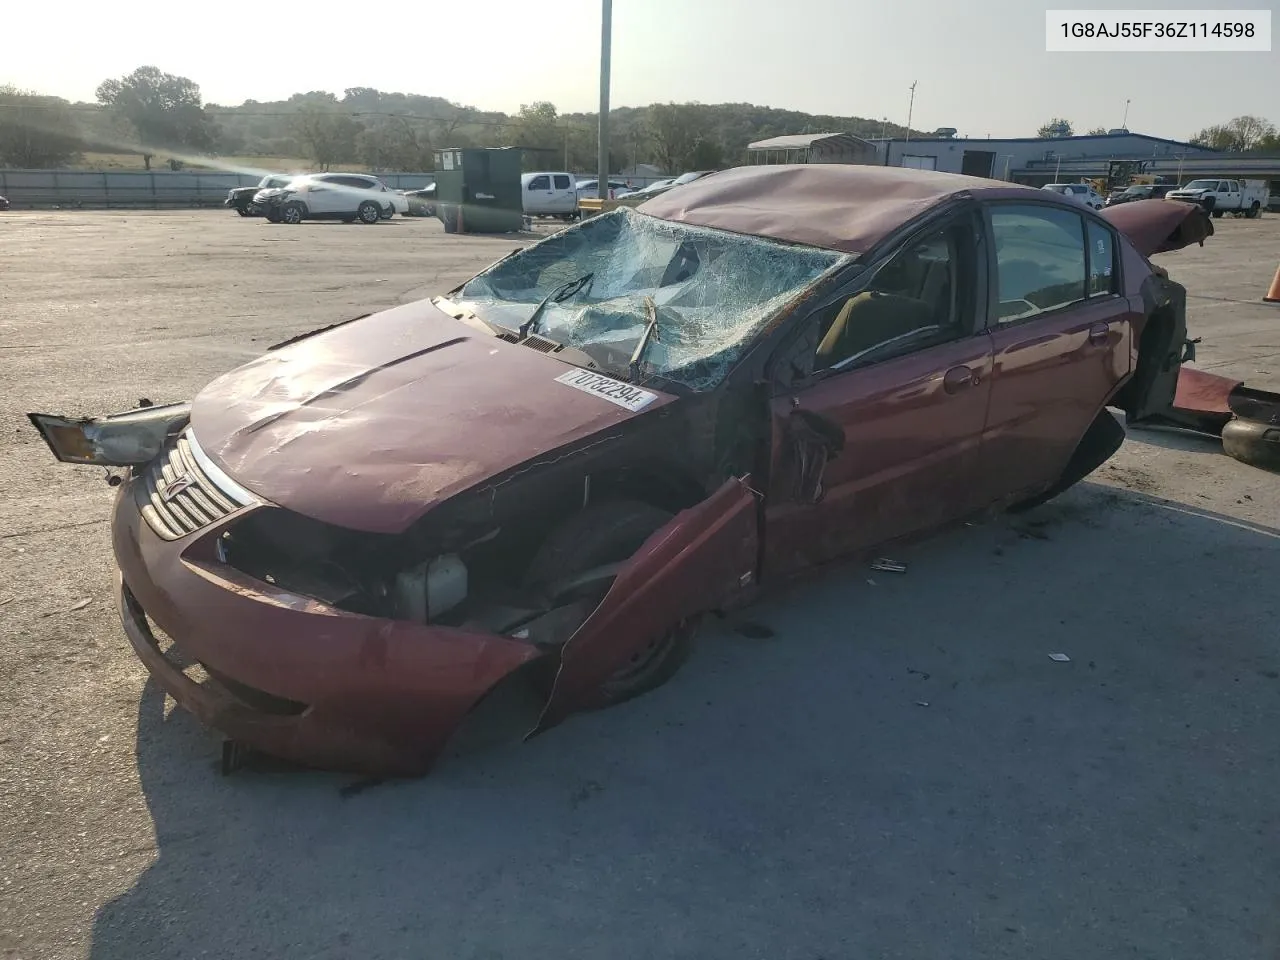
331	196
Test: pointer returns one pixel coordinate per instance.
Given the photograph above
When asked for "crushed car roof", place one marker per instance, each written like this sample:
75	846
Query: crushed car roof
851	207
846	207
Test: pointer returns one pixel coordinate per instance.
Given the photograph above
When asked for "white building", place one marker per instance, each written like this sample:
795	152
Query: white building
1032	160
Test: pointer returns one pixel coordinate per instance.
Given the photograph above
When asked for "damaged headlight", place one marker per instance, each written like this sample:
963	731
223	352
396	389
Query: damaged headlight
120	440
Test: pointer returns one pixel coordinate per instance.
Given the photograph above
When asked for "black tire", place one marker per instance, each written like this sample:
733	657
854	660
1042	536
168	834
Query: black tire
1217	214
244	211
293	213
368	212
604	533
388	213
273	214
1254	211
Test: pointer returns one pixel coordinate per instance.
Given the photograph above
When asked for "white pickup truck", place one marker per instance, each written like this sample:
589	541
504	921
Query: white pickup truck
1248	197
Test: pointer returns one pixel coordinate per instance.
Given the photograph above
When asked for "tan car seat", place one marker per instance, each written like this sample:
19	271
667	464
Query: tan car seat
869	319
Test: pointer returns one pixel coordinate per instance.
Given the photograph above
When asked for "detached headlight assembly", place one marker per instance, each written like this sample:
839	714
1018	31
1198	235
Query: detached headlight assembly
121	440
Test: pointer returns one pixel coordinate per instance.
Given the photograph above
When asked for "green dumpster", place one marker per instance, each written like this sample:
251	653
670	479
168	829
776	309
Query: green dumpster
478	189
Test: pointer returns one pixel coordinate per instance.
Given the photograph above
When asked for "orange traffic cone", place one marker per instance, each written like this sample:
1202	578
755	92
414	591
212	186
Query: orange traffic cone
1273	295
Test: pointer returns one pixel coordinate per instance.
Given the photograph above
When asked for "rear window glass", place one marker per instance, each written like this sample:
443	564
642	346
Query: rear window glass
1102	256
562	182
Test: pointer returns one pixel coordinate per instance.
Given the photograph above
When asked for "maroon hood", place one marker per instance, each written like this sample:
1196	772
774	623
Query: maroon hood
371	424
1158	226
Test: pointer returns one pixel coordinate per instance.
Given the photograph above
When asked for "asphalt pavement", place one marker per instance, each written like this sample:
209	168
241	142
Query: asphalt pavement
870	764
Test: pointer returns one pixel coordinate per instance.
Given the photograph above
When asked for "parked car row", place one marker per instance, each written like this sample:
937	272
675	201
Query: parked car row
292	198
348	197
1215	196
553	193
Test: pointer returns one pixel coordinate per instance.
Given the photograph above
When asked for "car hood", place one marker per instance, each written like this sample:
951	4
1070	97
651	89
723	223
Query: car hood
1160	225
370	424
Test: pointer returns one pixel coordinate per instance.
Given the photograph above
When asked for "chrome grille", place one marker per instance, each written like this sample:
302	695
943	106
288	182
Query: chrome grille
176	497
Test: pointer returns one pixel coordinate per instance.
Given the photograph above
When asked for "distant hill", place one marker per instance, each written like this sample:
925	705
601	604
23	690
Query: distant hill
397	131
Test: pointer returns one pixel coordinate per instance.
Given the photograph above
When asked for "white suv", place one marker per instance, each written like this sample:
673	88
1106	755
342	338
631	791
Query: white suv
332	196
1080	192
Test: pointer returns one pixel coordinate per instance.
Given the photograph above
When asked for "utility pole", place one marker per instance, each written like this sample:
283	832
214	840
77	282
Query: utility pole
911	109
602	155
566	148
1124	124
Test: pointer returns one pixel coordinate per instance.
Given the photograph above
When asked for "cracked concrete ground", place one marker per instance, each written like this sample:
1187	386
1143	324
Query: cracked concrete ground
877	765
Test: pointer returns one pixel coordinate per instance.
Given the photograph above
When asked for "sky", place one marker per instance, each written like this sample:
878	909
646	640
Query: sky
979	66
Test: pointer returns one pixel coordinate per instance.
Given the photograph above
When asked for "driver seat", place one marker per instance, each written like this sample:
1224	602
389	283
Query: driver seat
869	319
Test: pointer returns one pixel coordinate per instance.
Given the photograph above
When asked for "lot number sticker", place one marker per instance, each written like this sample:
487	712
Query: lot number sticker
607	388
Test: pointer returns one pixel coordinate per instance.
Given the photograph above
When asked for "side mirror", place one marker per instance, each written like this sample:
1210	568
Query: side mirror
815	441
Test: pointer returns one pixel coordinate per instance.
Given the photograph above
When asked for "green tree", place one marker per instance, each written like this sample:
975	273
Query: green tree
325	132
683	136
1240	135
1097	132
395	143
1056	129
163	110
537	128
35	131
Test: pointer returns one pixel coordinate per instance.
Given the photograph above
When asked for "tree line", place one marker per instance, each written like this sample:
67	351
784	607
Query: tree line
156	114
153	114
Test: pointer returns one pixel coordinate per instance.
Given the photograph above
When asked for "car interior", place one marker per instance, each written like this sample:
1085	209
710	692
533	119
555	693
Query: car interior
914	301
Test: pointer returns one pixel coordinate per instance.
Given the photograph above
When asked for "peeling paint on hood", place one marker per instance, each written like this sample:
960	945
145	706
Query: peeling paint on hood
371	424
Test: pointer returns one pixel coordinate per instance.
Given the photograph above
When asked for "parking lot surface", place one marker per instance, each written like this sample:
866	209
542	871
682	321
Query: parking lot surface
895	767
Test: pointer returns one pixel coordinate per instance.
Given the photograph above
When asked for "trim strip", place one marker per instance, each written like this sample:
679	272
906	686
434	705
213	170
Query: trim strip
217	476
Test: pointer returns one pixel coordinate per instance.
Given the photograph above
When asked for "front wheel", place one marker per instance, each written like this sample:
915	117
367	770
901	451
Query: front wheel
244	211
1254	210
293	213
606	533
368	212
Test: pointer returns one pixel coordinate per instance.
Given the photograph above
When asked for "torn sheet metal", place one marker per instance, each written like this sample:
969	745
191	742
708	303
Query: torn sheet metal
688	566
371	425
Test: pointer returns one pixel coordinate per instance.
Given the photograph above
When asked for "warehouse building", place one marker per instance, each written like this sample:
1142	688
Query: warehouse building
1032	160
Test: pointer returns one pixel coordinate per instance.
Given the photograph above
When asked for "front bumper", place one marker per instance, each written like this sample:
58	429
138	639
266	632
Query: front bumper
356	693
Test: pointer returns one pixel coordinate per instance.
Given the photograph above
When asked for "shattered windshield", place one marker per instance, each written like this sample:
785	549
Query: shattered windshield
709	292
1202	185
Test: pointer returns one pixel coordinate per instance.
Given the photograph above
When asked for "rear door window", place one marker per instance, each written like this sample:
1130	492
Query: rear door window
1040	259
562	182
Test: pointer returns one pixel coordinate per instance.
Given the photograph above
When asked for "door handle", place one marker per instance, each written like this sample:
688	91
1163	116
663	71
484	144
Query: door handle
1099	333
959	378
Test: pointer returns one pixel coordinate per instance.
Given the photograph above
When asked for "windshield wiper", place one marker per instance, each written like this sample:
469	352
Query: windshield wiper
650	333
558	295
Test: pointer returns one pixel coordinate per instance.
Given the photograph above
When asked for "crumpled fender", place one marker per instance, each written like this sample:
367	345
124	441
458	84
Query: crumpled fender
703	556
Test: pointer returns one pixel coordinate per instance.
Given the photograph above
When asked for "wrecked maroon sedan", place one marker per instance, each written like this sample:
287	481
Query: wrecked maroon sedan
547	475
